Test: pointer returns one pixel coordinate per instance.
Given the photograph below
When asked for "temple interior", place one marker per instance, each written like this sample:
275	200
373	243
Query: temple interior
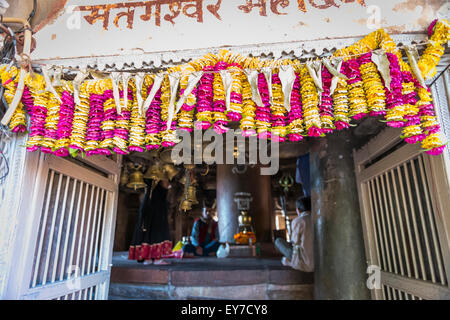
252	271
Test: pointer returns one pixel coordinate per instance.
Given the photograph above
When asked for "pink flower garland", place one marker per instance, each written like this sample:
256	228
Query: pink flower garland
153	120
219	106
235	98
205	99
394	96
107	126
296	113
94	132
262	114
38	115
358	109
121	131
65	124
187	108
278	120
326	106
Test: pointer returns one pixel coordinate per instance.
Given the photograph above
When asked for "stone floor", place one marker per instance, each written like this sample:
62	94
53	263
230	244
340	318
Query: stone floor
208	278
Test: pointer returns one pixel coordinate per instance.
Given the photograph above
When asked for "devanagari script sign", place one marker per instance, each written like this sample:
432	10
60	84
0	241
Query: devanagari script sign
112	27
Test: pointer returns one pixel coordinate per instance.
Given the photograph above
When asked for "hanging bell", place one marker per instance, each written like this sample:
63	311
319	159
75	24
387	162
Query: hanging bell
124	178
171	171
186	205
154	172
136	180
191	195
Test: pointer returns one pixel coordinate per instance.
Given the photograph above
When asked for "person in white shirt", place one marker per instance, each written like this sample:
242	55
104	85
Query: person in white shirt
298	254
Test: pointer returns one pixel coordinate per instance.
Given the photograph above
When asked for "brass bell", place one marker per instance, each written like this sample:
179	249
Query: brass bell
124	178
191	195
171	171
186	205
136	180
155	172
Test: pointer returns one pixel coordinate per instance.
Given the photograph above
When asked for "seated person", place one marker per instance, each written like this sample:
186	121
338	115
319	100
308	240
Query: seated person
204	236
298	254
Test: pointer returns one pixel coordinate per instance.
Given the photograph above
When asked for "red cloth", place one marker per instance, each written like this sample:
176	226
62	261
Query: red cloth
203	230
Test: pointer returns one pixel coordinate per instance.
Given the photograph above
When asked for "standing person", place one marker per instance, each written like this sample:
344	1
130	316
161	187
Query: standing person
298	254
153	225
204	236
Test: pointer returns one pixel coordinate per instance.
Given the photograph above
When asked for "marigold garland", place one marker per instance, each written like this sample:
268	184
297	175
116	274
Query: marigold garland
278	117
109	119
96	116
219	107
51	122
248	125
137	126
373	85
262	113
341	105
18	121
186	117
205	99
439	33
93	126
310	102
153	116
235	111
38	113
66	112
168	134
357	97
326	106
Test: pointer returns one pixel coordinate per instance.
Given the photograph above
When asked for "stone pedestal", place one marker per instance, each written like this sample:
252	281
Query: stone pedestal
230	181
340	264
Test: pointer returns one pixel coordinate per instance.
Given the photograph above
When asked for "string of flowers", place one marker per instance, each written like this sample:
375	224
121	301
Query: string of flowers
38	113
278	117
168	135
310	102
96	115
357	98
373	85
109	118
80	118
205	99
94	127
341	105
326	106
439	34
51	122
153	118
122	123
412	131
66	112
262	114
219	107
432	142
248	110
186	118
18	123
235	112
137	126
295	116
394	96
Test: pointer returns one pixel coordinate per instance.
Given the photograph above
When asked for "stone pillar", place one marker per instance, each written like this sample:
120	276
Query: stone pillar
340	264
229	182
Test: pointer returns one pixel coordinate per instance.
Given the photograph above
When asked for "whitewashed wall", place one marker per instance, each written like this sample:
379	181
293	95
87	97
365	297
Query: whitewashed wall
127	29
